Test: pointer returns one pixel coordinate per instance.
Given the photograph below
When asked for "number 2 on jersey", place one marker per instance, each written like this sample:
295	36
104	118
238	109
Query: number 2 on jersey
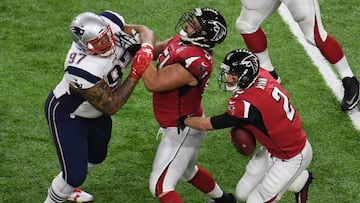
277	94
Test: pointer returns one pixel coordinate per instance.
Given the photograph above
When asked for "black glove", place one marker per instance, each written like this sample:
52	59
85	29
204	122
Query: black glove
180	122
129	42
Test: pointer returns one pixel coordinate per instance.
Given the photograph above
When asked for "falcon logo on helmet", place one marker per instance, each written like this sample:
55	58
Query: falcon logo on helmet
241	63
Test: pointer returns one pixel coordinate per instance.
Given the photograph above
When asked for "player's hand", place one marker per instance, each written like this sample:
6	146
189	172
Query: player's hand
142	60
181	122
125	40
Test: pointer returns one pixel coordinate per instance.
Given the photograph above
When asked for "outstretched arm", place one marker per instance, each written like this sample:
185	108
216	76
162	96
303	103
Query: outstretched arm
208	123
106	100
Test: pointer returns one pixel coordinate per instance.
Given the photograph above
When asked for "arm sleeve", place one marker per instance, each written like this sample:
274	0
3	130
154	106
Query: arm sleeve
225	120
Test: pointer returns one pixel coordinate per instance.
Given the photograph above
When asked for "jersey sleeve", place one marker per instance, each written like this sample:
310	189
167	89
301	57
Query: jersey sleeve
224	120
81	78
239	108
85	71
198	63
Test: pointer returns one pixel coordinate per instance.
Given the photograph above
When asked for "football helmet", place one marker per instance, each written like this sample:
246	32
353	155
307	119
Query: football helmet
204	27
92	34
240	63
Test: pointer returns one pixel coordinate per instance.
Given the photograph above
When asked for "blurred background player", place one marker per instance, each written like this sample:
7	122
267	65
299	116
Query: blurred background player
78	110
183	70
307	14
260	105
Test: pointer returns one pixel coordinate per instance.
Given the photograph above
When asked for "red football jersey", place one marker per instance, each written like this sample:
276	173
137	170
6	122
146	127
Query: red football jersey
280	128
168	106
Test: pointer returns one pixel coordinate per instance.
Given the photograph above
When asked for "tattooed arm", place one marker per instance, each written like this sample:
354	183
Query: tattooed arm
104	99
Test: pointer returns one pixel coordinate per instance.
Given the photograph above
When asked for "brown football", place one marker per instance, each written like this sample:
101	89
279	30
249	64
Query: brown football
243	140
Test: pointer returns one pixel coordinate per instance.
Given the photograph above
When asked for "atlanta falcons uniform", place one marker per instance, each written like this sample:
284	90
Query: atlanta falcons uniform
265	110
177	153
81	133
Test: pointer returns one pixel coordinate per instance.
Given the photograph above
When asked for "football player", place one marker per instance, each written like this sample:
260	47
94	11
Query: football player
260	105
307	14
183	70
78	110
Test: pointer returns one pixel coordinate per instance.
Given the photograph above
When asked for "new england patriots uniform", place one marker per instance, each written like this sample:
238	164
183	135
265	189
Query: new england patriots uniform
81	132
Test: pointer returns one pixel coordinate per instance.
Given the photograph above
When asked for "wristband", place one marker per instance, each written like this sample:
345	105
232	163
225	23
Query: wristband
147	44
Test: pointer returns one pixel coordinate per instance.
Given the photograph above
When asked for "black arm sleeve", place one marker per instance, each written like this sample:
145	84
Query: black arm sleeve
224	121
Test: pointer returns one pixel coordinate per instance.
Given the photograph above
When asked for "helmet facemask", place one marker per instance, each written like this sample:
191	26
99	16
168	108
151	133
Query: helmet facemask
190	30
203	27
93	35
103	45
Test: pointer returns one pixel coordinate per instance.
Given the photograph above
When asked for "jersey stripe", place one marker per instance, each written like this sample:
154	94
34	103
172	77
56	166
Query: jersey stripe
83	74
246	109
113	18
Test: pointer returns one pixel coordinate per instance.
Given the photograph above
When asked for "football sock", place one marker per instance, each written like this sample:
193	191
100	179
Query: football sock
171	197
206	183
203	180
59	190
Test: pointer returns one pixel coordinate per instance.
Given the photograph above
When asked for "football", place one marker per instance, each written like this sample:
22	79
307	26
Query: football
243	140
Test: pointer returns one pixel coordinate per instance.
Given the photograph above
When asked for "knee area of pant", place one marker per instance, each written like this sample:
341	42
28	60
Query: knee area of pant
255	196
241	193
244	27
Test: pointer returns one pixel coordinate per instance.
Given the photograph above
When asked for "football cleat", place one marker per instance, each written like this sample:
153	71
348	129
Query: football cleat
351	93
80	196
229	198
275	76
302	196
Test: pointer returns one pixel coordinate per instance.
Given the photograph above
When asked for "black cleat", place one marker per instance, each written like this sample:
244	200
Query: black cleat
351	93
275	76
226	198
302	196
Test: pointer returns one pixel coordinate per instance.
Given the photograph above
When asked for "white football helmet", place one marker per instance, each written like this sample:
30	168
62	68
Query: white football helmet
92	34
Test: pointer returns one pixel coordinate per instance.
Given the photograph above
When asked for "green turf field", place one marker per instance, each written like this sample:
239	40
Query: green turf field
34	40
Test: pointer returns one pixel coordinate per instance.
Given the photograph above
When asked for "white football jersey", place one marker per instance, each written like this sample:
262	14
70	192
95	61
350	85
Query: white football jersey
86	70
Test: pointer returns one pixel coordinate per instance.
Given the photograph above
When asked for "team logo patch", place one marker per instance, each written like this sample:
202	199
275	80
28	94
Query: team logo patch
77	31
231	109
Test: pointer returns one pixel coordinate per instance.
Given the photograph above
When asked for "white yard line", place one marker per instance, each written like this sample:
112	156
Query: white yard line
320	62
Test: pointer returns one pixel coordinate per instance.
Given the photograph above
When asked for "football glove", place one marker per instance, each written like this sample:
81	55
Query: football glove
125	40
142	60
181	122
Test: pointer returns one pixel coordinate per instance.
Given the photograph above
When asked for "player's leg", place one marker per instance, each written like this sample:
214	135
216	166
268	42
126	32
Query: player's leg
280	176
307	15
70	141
300	185
200	177
255	172
174	161
253	13
98	139
164	175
